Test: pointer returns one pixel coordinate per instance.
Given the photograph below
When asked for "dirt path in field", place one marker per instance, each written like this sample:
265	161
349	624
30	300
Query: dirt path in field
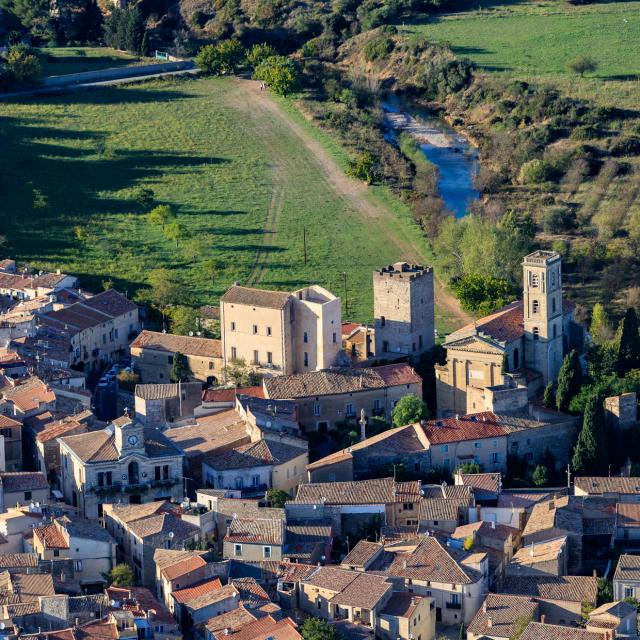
248	97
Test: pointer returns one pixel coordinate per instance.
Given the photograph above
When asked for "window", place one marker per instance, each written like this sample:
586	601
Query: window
628	592
237	550
535	281
385	345
445	448
495	458
56	553
109	478
157	473
254	329
407	506
477	445
349	410
165	471
553	305
239	483
255	480
420	342
553	278
554	331
495	443
234	353
27	495
536	333
269	357
233	326
100	479
316	409
266	552
536	306
305	337
455	598
383	321
170	359
377	404
78	565
306	359
212	365
413	346
256	357
335	337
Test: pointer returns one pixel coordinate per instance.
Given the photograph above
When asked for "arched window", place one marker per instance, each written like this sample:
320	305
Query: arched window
534	280
536	333
133	472
536	306
553	305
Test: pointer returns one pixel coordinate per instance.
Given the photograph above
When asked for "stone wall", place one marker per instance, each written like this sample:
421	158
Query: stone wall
621	411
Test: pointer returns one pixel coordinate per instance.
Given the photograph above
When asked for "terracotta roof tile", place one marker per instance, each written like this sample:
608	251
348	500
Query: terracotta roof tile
597	485
339	380
544	551
569	588
255	297
29	586
255	531
163	523
401	605
628	514
234	620
365	592
468	427
23	481
362	553
502	612
381	491
183	567
490	482
29	394
538	631
229	395
172	343
255	454
182	596
628	568
51	537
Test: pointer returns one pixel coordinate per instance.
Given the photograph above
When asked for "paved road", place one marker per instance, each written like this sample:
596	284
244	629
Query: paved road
106	78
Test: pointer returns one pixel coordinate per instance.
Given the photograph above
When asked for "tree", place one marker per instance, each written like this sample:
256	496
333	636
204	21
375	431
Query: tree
540	476
239	374
481	294
210	268
144	197
363	167
21	68
160	215
319	629
277	497
145	45
600	328
467	545
582	65
121	576
569	380
605	591
629	347
128	380
469	467
505	364
175	231
549	397
590	454
280	74
224	58
520	625
165	289
409	409
134	29
180	370
183	319
259	53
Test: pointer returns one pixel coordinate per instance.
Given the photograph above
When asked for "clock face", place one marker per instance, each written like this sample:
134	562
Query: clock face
133	440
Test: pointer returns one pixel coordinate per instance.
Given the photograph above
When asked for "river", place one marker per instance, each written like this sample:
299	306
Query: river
454	156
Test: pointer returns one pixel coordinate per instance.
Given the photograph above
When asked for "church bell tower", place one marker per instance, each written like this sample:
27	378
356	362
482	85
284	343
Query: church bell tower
543	315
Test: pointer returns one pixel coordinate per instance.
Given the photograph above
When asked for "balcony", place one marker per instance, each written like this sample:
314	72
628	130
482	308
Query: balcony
453	605
131	487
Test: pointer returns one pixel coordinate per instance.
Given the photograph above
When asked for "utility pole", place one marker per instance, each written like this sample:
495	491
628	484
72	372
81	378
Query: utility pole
568	476
304	244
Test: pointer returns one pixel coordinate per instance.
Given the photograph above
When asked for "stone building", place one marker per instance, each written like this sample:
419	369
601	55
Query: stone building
125	463
532	335
159	405
621	411
280	333
153	353
325	398
403	310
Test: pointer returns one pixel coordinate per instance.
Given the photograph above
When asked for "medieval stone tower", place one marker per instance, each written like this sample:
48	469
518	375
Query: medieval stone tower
403	309
543	315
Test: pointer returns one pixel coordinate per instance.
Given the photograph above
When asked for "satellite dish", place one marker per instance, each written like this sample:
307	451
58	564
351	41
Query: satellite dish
112	603
1	625
171	534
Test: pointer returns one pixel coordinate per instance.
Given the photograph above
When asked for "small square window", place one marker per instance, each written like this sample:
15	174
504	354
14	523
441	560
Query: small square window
237	550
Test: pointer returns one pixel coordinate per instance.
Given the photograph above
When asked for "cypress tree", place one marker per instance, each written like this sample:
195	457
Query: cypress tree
569	380
629	349
145	46
505	364
590	455
549	398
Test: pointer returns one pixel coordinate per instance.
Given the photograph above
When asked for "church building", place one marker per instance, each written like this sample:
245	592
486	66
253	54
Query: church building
531	336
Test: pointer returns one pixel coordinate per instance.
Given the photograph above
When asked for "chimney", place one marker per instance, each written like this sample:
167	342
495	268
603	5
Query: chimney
493	524
489	622
543	617
484	607
533	549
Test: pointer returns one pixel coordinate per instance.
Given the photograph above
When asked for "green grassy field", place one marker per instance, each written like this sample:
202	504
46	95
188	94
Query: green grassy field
57	61
238	178
535	40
